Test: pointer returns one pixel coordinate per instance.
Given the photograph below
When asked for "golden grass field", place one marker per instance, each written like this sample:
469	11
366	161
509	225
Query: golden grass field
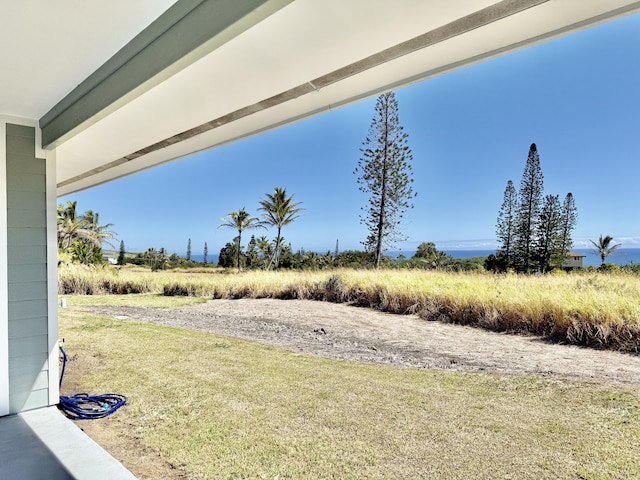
595	309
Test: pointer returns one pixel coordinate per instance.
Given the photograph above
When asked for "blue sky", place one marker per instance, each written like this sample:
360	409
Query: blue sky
577	98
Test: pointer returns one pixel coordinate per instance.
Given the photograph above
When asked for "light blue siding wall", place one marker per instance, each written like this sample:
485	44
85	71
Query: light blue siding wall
26	271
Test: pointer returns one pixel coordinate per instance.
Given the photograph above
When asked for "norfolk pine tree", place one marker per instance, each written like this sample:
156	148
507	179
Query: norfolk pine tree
121	254
206	252
189	250
568	221
384	172
548	239
530	200
531	230
506	226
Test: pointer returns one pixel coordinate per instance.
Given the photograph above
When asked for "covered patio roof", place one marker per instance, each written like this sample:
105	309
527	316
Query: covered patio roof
121	87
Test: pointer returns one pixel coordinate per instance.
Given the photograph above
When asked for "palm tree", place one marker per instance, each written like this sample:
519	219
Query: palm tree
71	227
240	221
101	233
82	236
265	249
279	210
151	256
604	247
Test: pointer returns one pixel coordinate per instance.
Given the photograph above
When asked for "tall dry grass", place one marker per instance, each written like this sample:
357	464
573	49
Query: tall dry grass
592	309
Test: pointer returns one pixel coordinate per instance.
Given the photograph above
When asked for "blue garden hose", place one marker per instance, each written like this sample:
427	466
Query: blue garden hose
82	406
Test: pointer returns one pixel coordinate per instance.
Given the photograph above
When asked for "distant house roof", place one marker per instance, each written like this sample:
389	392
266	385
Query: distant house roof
574	254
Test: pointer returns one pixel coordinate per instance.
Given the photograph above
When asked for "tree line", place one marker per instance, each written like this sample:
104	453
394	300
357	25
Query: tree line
533	230
278	210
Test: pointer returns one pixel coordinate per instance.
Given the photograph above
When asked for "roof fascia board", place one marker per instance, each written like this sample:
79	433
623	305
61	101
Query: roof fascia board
186	32
457	27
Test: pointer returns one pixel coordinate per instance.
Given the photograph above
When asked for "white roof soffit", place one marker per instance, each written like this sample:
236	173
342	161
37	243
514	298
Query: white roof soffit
295	60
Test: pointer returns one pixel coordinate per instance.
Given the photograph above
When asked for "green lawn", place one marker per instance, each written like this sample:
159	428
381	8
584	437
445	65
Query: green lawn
226	408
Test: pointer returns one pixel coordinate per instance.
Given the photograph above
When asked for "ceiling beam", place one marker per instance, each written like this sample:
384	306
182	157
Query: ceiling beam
186	32
457	27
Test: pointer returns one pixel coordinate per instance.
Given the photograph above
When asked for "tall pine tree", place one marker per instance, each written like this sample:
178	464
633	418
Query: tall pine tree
532	231
506	226
547	241
568	221
206	252
189	250
530	201
121	253
384	172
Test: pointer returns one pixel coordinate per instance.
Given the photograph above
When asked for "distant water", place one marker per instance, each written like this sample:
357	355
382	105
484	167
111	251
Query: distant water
623	256
212	258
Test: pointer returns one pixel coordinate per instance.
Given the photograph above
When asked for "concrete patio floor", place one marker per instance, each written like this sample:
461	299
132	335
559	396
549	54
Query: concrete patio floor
44	444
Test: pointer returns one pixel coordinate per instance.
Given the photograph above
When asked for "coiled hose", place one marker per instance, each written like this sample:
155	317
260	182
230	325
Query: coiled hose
82	406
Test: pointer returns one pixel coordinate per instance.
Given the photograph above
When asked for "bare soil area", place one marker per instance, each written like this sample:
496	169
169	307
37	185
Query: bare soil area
355	334
363	335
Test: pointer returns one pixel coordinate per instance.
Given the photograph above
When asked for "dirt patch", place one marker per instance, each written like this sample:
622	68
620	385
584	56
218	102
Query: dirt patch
357	334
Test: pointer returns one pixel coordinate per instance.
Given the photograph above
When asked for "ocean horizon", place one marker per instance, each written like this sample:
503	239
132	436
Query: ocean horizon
623	256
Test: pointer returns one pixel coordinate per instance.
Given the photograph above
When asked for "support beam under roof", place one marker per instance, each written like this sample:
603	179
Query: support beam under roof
184	33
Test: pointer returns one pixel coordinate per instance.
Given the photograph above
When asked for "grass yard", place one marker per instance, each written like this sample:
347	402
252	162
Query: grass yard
221	408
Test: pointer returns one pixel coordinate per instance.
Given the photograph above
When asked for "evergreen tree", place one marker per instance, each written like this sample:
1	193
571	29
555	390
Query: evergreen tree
384	172
548	239
228	255
252	256
568	221
266	250
530	200
121	254
428	253
189	250
206	252
506	227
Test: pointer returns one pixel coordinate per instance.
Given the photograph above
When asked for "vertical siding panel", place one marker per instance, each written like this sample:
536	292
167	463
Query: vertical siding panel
4	302
27	270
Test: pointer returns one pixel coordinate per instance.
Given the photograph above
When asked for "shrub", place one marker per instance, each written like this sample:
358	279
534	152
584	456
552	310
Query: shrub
335	290
558	271
609	267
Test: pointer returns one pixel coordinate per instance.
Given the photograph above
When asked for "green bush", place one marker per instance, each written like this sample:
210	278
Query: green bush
558	271
609	267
